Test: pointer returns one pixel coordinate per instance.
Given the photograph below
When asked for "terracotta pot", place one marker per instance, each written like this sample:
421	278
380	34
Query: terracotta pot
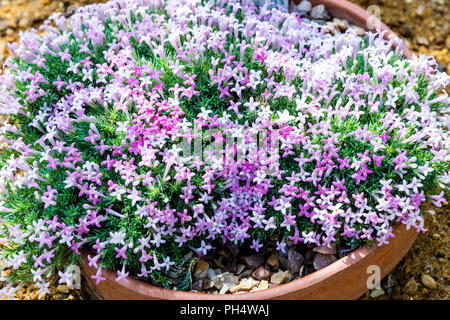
344	279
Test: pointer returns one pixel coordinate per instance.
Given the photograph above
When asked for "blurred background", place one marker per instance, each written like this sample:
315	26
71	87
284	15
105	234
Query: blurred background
423	24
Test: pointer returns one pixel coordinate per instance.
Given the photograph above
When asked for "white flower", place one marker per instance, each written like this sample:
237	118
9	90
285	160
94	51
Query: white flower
117	237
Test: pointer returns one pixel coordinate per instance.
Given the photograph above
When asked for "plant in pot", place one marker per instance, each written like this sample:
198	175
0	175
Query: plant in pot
179	141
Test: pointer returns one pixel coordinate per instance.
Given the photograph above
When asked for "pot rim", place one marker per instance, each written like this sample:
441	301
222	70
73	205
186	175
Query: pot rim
342	9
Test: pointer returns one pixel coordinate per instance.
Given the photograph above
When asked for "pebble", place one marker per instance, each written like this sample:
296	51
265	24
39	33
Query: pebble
240	269
410	287
319	12
389	281
342	25
295	260
264	284
229	279
198	285
325	250
261	273
25	22
244	285
231	267
420	11
247	273
322	260
422	41
62	288
447	42
436	236
201	269
304	6
253	261
284	262
42	295
211	273
376	293
208	284
218	263
273	259
279	278
428	281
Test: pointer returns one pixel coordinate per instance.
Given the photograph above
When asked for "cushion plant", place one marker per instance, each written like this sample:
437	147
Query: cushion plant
145	129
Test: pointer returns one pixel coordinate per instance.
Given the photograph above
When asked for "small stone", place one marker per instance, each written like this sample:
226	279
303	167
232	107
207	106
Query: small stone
410	287
253	261
62	288
245	274
322	260
211	273
278	278
217	282
295	260
224	289
261	273
244	285
42	295
319	12
309	255
273	259
436	236
201	269
420	11
341	25
25	22
4	24
302	271
376	293
422	41
325	250
208	284
198	285
428	281
441	260
229	279
304	6
219	263
264	284
240	268
231	267
447	42
389	281
283	262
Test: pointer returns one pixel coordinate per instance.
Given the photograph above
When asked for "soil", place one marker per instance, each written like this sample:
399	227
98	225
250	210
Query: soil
424	26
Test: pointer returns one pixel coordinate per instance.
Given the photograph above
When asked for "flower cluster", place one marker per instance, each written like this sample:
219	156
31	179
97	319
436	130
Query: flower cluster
143	129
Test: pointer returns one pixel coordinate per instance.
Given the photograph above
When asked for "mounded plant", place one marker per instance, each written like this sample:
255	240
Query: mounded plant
146	129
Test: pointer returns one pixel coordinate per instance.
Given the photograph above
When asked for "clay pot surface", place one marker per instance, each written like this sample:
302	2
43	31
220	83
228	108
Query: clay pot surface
344	279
